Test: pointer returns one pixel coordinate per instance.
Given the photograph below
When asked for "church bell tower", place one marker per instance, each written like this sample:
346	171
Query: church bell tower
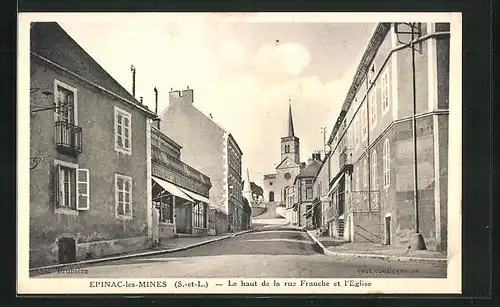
290	144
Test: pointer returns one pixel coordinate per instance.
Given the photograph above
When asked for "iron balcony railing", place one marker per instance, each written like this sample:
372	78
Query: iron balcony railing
68	137
164	159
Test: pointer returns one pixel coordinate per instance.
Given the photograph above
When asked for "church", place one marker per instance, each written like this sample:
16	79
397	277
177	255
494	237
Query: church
288	168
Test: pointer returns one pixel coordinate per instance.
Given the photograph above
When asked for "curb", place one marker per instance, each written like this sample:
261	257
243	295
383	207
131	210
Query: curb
41	270
377	256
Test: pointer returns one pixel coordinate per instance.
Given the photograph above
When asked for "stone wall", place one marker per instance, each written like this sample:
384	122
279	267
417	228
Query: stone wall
48	254
95	113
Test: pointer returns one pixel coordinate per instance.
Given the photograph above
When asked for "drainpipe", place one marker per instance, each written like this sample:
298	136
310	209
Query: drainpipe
417	240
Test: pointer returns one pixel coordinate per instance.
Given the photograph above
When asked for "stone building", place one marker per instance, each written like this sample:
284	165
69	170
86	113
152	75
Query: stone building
303	200
288	168
180	192
212	150
90	177
371	161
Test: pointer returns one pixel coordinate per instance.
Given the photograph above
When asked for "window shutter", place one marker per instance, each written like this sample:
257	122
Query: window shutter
83	189
57	185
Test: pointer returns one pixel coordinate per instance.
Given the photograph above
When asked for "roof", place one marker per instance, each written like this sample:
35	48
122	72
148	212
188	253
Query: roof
291	132
370	52
270	176
295	164
310	171
49	41
232	139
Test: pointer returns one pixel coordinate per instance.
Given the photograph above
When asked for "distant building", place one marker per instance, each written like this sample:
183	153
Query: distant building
180	192
371	162
287	169
303	201
90	182
213	151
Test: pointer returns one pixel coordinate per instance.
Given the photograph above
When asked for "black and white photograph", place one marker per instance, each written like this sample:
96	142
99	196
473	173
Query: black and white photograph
239	153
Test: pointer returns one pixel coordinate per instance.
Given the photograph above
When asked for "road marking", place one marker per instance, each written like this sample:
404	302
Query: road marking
280	240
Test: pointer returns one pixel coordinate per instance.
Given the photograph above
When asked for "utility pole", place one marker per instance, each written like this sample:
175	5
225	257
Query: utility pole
323	130
417	240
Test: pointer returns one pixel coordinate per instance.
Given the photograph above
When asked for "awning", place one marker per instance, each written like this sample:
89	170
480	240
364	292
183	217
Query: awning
171	188
335	184
195	196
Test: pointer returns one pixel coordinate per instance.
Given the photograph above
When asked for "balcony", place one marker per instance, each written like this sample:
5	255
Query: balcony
68	138
173	169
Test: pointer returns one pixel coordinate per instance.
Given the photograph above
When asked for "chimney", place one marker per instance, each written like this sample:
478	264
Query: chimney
132	69
141	99
180	99
156	122
156	100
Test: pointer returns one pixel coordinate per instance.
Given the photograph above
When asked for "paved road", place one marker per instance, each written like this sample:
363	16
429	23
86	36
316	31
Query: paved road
279	252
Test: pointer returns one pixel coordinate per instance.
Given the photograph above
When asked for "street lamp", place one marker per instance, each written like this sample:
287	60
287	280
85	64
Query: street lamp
417	240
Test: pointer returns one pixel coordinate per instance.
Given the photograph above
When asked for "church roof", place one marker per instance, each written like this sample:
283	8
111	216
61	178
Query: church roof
293	163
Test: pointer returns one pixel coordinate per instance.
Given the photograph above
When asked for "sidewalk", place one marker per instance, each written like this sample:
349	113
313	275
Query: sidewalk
338	247
166	246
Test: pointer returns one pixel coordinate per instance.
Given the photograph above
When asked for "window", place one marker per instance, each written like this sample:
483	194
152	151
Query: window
288	175
373	108
364	123
375	180
365	177
123	134
123	196
385	92
287	148
199	215
386	160
309	193
356	136
72	186
65	100
357	179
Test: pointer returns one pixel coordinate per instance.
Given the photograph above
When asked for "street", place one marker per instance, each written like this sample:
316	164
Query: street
271	252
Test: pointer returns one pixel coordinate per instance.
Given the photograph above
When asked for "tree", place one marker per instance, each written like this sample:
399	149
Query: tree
257	191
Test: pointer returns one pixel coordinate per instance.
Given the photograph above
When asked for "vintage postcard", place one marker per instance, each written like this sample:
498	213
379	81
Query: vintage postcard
286	153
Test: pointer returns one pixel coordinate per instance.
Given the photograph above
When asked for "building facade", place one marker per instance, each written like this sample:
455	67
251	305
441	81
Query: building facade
371	162
213	151
303	194
180	192
89	148
288	168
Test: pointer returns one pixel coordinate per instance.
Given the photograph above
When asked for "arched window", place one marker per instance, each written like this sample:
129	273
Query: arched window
387	164
287	148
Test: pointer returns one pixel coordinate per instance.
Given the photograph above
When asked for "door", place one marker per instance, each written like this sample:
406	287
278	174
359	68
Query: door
387	230
67	250
271	196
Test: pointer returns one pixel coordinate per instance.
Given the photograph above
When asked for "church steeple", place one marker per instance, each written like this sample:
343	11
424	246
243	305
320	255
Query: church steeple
290	119
290	144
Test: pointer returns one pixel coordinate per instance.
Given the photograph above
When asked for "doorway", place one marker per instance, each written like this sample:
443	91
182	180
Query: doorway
387	230
67	250
271	196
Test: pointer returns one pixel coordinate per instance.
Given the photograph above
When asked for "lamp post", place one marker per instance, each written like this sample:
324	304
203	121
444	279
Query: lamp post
417	240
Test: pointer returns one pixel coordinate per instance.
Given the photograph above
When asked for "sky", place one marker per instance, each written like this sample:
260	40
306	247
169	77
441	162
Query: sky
242	72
